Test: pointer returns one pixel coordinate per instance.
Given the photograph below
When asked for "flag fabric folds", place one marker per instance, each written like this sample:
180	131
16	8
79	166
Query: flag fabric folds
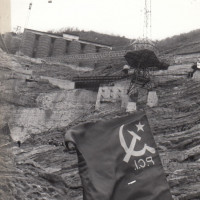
118	160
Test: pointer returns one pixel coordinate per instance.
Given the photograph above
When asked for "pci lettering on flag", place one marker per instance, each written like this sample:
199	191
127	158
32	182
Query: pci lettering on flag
118	160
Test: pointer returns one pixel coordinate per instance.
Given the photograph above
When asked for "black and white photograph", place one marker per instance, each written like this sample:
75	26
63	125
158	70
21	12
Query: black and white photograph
99	99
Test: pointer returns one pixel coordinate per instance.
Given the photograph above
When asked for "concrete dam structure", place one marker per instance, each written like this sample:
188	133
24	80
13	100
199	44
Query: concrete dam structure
5	16
38	44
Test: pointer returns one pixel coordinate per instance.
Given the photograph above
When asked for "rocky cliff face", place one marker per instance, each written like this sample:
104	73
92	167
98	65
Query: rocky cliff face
35	114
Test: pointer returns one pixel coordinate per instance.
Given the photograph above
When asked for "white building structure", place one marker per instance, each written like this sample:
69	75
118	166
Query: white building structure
5	16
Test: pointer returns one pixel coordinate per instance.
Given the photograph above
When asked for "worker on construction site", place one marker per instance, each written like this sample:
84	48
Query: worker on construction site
195	67
198	63
126	69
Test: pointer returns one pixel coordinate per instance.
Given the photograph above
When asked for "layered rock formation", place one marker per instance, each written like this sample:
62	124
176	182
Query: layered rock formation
34	163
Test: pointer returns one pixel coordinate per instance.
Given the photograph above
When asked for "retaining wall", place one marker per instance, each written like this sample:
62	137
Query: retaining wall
44	45
103	49
92	59
87	63
28	44
74	47
39	44
90	56
59	47
90	49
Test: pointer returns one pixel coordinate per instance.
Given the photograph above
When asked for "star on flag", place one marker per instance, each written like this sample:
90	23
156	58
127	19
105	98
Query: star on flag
140	127
127	167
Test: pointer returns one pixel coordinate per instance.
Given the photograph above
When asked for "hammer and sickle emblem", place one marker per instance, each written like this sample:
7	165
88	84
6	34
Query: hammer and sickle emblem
130	151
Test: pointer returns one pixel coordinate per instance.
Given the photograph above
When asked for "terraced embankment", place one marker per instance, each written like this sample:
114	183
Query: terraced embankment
33	162
175	123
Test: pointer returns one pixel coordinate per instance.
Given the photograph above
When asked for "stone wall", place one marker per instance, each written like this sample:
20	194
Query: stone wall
62	50
103	49
90	49
87	50
59	47
43	48
28	44
105	58
88	63
45	45
74	47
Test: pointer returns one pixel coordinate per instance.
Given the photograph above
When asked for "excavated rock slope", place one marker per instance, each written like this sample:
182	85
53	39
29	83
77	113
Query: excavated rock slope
34	164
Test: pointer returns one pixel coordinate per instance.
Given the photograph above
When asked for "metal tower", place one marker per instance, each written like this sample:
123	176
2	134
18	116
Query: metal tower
147	20
145	42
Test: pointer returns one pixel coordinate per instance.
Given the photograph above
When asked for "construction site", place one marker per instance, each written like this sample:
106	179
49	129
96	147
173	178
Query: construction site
50	83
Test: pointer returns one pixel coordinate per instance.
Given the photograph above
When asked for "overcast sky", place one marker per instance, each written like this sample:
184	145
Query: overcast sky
118	17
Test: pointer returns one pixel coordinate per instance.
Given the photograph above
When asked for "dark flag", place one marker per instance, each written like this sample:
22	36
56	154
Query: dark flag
118	160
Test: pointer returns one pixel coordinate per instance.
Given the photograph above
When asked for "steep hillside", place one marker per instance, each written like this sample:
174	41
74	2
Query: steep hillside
185	43
181	44
35	114
178	44
101	38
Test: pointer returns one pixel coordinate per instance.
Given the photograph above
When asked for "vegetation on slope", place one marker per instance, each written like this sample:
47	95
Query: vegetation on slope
180	44
112	40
